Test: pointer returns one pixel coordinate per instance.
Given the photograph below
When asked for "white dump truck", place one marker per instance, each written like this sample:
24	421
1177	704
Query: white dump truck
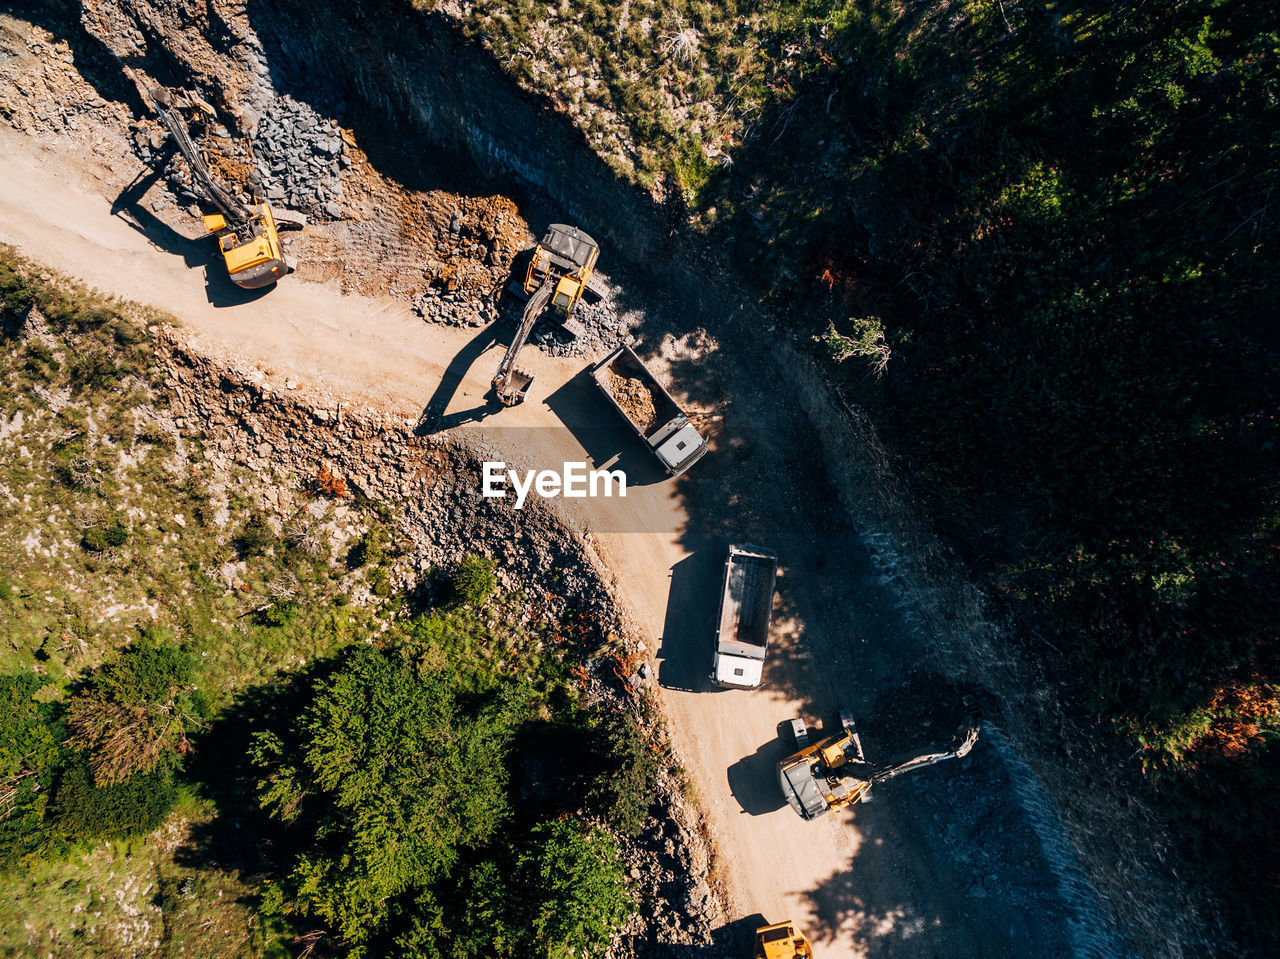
742	623
649	408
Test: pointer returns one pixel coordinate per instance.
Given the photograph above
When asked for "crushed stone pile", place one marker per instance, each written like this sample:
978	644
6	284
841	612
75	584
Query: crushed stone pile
635	396
299	157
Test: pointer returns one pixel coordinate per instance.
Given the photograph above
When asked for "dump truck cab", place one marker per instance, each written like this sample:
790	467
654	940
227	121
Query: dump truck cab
570	254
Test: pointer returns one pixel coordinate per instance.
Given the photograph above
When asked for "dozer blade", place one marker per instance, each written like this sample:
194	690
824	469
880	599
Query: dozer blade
513	387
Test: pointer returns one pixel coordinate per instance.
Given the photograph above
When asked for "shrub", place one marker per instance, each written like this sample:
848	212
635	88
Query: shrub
574	891
135	712
254	537
328	485
99	539
623	789
474	581
281	613
371	548
30	755
121	810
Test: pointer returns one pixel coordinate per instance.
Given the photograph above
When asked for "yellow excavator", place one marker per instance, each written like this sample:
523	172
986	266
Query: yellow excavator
834	772
248	234
782	940
558	272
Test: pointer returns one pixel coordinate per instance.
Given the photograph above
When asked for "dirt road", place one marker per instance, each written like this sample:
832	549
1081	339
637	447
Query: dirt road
901	877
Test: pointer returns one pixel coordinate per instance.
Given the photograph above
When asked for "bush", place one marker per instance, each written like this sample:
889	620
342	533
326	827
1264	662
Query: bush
134	714
30	755
623	790
574	891
474	581
99	539
281	613
370	548
134	807
254	537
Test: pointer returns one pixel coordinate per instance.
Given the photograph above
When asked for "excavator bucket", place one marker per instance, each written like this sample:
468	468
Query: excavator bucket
512	387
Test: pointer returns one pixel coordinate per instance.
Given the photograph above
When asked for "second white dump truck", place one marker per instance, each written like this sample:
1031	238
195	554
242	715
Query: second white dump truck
742	623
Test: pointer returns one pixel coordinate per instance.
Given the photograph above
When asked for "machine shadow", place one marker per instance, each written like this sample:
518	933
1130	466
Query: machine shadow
198	254
600	432
736	938
753	779
433	418
685	653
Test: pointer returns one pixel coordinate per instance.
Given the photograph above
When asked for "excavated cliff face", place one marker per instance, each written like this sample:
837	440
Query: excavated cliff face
415	93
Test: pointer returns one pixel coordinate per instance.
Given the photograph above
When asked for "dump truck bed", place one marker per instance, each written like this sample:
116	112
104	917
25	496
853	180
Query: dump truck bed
623	364
746	603
654	415
742	623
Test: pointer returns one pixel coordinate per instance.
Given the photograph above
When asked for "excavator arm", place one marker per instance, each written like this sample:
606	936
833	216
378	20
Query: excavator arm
511	384
964	740
239	218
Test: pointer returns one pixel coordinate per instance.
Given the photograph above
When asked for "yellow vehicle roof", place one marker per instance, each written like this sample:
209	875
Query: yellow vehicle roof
254	253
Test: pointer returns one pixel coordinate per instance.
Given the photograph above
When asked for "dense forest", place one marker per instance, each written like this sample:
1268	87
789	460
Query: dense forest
1041	243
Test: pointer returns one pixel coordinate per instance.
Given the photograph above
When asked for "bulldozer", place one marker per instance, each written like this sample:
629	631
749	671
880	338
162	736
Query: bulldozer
559	270
248	234
782	940
834	772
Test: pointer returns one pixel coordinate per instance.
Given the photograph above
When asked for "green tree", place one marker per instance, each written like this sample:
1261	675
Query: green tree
393	776
30	756
136	712
574	890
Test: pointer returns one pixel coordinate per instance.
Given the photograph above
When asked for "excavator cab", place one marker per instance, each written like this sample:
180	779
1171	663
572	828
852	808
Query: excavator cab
558	272
254	263
782	940
568	254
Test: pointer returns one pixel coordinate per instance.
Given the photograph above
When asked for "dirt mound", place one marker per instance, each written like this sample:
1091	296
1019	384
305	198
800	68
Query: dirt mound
635	396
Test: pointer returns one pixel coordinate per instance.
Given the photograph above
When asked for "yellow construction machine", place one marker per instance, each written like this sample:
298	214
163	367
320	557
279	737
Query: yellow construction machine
248	234
558	272
782	940
835	772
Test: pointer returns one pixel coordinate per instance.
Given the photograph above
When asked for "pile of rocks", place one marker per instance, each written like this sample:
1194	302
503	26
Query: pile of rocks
601	329
454	309
299	157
